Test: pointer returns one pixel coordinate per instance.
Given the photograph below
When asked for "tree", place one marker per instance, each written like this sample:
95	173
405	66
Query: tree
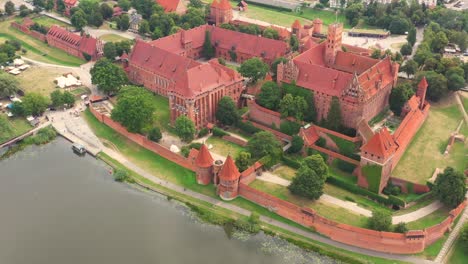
24	11
317	164
380	220
401	228
274	65
262	144
123	46
300	106
157	33
68	98
334	119
450	187
185	129
296	144
410	67
106	11
287	106
437	87
227	113
353	12
134	108
411	36
254	68
307	183
228	26
108	76
196	3
294	43
376	54
270	33
455	82
8	85
243	160
269	96
9	8
124	22
406	49
34	104
208	49
56	98
154	134
143	27
124	4
439	42
399	96
399	25
49	5
78	19
109	51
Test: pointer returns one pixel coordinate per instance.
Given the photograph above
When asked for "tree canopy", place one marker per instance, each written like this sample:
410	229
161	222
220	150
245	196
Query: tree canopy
108	76
8	85
134	108
254	68
34	104
380	220
399	96
227	113
310	178
269	96
243	160
334	118
450	187
185	128
262	144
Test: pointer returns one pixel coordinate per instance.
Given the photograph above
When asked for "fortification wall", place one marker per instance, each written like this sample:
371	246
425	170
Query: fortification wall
405	185
143	141
27	31
235	140
263	115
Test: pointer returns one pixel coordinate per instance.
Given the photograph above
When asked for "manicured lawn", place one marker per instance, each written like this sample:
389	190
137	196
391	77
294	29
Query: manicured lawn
329	211
429	220
334	171
223	147
40	79
425	152
80	90
112	38
146	159
459	254
48	21
352	197
162	115
18	127
285	172
36	49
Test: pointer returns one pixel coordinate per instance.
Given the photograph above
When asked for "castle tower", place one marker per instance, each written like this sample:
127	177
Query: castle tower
220	12
296	28
229	175
421	92
333	44
204	166
317	26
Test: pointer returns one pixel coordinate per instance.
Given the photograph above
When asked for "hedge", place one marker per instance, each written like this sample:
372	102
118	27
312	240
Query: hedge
218	132
290	162
248	127
311	151
391	200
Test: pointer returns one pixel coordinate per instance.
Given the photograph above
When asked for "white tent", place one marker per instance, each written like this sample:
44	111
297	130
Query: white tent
18	62
174	149
67	81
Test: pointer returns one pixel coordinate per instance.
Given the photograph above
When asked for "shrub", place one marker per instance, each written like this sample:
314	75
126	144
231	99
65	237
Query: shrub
203	132
185	150
120	175
290	162
248	127
290	128
43	136
296	144
218	132
400	228
380	220
321	142
345	166
154	134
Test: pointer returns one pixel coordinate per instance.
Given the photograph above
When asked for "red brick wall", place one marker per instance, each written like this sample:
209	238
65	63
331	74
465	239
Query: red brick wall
335	155
278	134
235	140
263	115
29	32
417	188
143	141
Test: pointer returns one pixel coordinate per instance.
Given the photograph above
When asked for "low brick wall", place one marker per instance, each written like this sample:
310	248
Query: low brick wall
336	134
279	135
27	31
335	155
417	188
235	140
263	115
395	243
143	141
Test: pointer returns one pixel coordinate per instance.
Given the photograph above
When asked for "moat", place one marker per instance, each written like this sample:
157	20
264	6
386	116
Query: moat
57	207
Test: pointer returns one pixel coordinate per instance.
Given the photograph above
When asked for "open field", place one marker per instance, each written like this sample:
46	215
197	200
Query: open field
425	153
459	254
19	127
112	38
29	79
223	147
429	220
329	211
36	49
48	21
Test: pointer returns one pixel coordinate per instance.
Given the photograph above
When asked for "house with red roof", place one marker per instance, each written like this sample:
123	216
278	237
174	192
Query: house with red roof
69	4
384	149
84	47
173	6
362	84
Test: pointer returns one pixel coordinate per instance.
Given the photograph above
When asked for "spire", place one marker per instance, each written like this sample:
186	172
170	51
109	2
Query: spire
423	83
229	170
296	24
421	92
204	159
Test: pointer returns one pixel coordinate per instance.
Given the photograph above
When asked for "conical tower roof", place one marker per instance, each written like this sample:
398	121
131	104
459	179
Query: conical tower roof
229	170
296	24
423	83
224	4
204	159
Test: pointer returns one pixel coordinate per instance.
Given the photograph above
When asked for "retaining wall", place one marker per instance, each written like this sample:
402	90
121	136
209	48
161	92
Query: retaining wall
27	31
235	140
263	115
417	188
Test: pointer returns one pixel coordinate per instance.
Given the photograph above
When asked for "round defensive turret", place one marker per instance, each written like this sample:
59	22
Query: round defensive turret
228	187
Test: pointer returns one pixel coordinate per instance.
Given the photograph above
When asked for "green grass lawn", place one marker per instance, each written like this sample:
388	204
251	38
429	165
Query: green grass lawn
18	127
459	254
430	220
36	49
425	152
285	172
48	21
329	211
433	250
146	159
465	103
162	117
223	147
112	38
352	197
80	90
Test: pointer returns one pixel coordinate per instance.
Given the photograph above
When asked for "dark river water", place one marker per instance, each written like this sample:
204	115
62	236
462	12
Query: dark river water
58	208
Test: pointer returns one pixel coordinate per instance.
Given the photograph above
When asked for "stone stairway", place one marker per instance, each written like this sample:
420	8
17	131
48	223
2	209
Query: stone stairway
452	238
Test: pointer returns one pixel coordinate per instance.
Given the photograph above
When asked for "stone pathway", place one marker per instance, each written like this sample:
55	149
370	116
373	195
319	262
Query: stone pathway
420	213
460	105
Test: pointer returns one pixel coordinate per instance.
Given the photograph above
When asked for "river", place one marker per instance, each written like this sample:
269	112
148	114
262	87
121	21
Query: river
58	208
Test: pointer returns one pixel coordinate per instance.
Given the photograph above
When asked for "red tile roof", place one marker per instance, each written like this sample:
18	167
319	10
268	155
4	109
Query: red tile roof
353	63
309	135
381	144
88	45
229	170
296	24
169	5
222	4
204	159
70	2
423	83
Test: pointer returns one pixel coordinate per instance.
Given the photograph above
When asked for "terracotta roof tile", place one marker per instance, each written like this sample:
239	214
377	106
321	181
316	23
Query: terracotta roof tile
309	135
381	144
296	24
204	159
84	44
423	83
169	5
224	4
229	170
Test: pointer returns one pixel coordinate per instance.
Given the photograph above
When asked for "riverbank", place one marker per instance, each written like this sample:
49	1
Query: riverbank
268	228
43	136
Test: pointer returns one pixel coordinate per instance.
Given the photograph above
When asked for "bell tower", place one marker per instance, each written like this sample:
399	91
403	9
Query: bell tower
333	43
